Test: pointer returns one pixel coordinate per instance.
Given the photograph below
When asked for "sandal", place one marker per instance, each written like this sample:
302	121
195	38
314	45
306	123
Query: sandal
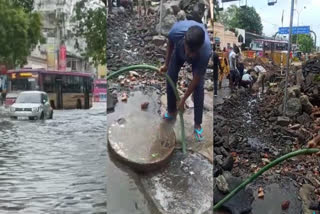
167	117
198	134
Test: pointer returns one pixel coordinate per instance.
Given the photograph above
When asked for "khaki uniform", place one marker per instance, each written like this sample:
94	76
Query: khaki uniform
225	70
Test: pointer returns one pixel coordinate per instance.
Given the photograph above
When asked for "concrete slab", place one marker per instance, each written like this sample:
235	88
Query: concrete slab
184	187
141	142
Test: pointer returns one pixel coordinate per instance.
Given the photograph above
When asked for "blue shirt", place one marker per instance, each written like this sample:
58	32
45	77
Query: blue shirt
176	36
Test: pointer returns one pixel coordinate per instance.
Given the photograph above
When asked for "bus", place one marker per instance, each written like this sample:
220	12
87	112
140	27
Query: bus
66	90
100	90
264	46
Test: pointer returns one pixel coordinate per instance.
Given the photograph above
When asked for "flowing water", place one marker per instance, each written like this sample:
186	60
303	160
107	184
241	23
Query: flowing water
54	166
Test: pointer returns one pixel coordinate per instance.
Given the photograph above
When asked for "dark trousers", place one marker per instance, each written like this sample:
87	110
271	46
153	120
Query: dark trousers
215	80
198	94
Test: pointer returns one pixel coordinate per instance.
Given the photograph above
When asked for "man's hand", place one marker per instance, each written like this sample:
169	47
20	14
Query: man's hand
163	69
180	105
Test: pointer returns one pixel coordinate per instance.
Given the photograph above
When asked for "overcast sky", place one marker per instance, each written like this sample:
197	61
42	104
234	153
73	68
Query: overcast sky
271	15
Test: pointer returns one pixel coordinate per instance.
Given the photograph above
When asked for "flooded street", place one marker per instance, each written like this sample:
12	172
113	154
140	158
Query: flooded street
54	166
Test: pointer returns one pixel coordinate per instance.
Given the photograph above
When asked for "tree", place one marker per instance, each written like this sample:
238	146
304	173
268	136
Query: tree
20	32
90	24
26	4
242	17
306	43
226	16
216	10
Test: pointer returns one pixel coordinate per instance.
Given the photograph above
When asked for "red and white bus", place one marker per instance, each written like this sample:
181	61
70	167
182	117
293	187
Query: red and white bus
66	90
100	90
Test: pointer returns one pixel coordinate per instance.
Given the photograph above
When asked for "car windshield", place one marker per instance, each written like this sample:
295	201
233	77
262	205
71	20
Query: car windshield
29	98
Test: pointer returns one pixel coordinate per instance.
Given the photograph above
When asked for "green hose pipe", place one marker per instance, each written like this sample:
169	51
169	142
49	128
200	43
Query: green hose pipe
261	171
153	68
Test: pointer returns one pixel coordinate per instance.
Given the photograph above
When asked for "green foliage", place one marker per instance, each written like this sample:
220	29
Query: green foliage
242	17
216	13
306	43
90	24
26	4
20	32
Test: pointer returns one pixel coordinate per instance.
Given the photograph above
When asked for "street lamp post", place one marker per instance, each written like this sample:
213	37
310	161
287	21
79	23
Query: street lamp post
288	58
298	23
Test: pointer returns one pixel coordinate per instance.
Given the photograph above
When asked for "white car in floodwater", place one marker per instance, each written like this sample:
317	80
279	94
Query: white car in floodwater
33	105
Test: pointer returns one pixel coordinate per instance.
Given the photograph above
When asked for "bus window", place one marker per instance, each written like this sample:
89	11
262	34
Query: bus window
49	83
72	84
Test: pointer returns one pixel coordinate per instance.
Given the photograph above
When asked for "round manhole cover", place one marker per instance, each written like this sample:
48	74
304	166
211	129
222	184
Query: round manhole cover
142	140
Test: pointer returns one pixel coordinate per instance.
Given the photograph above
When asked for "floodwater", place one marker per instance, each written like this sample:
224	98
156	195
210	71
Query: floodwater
54	166
275	195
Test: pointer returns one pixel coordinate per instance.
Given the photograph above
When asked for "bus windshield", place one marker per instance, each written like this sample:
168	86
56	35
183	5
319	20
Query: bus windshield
25	84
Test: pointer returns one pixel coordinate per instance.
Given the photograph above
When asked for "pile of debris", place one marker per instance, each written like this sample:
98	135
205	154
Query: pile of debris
250	131
177	10
311	75
133	40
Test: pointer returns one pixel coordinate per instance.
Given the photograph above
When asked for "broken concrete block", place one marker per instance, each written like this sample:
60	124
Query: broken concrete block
144	105
285	205
222	184
294	107
159	40
294	91
306	105
283	121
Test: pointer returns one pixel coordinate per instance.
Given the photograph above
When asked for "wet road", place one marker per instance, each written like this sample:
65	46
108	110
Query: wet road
54	166
125	191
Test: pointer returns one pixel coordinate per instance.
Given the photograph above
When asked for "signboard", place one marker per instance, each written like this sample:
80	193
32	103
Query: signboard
63	58
51	57
295	30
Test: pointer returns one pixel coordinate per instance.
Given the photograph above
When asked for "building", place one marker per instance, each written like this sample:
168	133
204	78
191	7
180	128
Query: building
224	38
37	58
57	29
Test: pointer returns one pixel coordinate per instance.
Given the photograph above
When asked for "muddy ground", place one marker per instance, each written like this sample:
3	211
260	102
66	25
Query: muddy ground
249	132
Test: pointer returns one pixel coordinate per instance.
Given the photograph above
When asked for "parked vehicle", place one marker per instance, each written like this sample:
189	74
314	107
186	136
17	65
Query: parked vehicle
10	99
33	105
100	90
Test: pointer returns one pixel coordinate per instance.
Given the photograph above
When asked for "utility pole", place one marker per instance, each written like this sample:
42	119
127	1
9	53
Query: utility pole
288	59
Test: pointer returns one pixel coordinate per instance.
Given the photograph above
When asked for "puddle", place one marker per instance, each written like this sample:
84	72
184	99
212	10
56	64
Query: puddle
274	195
124	193
139	139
